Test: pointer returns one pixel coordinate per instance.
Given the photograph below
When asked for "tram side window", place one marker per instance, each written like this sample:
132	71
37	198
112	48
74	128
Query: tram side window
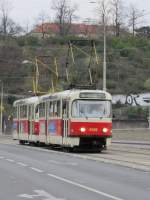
58	109
37	112
50	109
23	111
42	110
54	109
65	108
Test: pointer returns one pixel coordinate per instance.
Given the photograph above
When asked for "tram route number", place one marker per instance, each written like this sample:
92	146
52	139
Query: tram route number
93	129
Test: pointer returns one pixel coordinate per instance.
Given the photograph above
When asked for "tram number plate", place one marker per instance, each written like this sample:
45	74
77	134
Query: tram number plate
93	129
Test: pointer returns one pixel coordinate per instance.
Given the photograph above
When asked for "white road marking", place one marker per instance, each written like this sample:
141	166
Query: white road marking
37	170
27	196
40	193
73	163
1	157
22	164
63	163
84	187
55	162
10	160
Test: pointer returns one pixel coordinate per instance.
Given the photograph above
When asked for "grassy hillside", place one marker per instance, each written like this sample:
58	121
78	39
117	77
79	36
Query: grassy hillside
128	63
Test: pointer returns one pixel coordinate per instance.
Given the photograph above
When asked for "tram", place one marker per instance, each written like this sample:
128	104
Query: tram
72	118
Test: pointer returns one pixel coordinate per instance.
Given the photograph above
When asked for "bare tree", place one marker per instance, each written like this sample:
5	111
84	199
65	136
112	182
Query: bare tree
26	27
117	13
64	15
7	25
5	8
42	19
134	16
13	28
104	11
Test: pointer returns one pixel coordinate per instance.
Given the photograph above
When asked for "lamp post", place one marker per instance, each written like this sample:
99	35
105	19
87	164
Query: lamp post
104	39
2	94
104	58
26	62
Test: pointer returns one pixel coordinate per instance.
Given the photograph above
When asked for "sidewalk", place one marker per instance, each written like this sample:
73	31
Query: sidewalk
6	139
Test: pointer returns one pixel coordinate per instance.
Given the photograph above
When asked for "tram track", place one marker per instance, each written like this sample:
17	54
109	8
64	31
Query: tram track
139	164
130	157
137	151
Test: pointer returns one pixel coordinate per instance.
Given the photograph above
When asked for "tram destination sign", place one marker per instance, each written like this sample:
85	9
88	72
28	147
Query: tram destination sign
92	95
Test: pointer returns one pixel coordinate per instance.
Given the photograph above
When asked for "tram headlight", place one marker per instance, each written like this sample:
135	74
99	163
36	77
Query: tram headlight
105	130
82	129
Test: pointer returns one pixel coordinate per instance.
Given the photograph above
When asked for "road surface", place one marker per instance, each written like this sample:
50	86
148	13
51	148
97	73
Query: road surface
33	173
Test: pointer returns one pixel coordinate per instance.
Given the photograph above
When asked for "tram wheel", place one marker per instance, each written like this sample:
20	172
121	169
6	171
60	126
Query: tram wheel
67	149
22	142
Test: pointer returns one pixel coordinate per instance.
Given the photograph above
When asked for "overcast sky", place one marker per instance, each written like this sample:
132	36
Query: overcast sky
27	11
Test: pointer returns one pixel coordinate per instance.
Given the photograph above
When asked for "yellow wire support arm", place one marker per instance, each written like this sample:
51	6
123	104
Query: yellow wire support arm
44	65
95	52
84	52
56	66
72	54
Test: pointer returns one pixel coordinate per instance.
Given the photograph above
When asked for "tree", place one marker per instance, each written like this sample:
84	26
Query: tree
147	84
42	19
7	25
104	11
64	15
134	16
5	8
117	13
143	31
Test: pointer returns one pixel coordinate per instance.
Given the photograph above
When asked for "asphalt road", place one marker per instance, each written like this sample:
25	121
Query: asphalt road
31	173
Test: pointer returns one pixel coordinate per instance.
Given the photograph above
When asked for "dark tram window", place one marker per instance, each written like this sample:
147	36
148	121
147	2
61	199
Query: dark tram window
42	110
23	111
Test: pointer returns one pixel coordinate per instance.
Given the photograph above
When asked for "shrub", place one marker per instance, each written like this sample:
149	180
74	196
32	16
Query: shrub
21	41
32	41
136	113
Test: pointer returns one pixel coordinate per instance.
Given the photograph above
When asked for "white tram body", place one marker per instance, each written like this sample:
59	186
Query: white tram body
71	118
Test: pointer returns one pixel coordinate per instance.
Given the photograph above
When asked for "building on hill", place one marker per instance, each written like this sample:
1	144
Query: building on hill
91	31
53	29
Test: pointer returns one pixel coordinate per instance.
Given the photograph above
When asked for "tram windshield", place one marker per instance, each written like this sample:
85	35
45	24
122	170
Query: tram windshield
91	109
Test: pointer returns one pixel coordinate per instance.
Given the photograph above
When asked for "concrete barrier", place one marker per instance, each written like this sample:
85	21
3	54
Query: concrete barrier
130	124
131	134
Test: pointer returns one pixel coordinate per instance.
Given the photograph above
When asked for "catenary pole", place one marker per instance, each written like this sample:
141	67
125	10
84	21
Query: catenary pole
104	58
2	106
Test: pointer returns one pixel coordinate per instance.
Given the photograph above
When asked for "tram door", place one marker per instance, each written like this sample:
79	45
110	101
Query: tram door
30	120
18	117
65	112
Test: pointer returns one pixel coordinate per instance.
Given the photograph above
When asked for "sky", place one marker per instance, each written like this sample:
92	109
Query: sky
27	11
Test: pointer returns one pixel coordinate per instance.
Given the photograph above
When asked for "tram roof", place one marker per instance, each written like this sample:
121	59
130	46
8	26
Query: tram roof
29	100
74	92
64	95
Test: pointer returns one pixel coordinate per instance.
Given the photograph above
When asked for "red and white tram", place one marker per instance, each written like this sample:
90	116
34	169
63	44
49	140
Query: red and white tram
72	118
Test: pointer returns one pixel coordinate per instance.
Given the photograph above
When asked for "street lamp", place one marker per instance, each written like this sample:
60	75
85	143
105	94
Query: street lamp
104	51
1	113
25	62
104	58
